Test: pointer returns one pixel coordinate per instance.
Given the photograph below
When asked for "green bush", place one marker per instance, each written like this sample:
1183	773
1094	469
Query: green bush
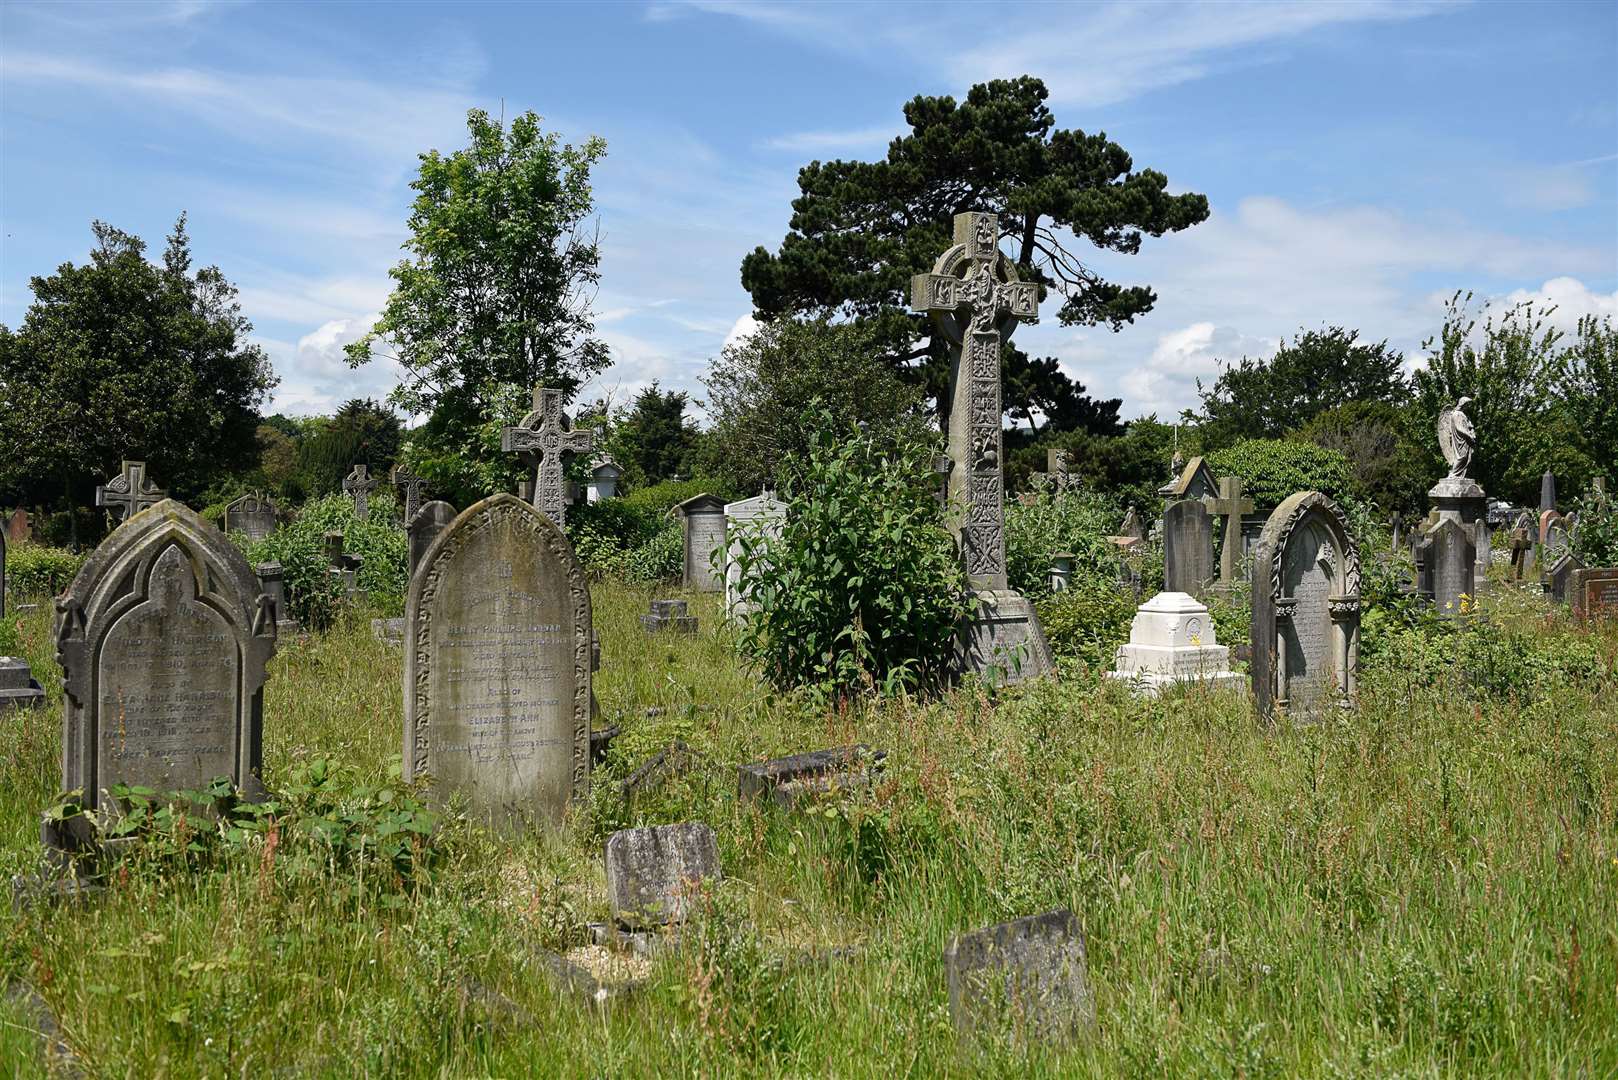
863	588
300	548
37	570
1272	469
1044	521
1595	538
1089	620
1473	658
661	498
633	540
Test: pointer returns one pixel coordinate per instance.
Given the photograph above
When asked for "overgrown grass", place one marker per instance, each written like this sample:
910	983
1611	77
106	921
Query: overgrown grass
1426	887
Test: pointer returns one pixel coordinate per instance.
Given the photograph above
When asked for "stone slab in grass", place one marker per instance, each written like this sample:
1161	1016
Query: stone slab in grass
669	616
790	780
1027	978
18	687
654	874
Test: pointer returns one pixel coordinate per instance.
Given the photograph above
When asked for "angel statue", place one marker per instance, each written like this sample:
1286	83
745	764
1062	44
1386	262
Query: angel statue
1457	439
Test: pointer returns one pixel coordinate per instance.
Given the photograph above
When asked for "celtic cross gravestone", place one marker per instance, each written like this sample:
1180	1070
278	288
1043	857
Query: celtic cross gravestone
130	492
402	477
542	437
358	485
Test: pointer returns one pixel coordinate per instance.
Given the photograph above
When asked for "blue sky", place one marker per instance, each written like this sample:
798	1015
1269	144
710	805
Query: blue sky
1362	160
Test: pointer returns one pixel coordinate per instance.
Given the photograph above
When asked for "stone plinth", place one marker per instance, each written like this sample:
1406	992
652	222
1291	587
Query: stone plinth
1172	640
18	690
1002	639
670	616
1459	499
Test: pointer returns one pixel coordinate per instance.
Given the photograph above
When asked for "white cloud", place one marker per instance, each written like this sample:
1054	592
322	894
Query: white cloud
824	142
742	329
1167	381
315	376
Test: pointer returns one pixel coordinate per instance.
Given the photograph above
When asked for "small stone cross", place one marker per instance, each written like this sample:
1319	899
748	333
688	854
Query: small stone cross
542	437
1230	505
358	485
129	492
1520	547
402	477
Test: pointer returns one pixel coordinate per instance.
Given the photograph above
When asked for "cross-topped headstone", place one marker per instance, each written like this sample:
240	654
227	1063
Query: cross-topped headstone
358	486
542	437
1230	505
402	477
128	493
976	301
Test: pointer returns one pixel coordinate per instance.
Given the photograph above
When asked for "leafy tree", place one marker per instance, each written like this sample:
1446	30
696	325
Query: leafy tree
498	290
1585	377
859	230
1273	469
123	358
1387	466
1039	387
653	440
1316	371
760	389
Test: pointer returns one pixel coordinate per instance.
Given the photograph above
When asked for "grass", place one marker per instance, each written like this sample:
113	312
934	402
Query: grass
1426	887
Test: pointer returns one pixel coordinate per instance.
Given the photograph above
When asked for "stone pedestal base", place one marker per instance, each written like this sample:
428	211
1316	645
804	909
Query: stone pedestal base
1171	641
18	690
1003	637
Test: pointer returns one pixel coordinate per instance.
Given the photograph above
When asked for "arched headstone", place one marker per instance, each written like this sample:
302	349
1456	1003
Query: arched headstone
702	522
251	515
497	665
1306	608
163	637
425	525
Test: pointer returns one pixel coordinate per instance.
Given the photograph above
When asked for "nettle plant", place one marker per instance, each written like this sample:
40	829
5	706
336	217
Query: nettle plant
861	590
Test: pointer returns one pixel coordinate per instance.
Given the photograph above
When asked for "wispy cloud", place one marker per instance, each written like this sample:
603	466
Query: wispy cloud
820	142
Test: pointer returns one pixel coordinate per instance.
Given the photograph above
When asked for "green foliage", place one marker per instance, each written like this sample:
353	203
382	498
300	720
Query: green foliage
632	541
862	589
1585	376
1128	468
1046	521
1089	619
121	358
362	433
1273	469
860	230
1315	371
661	498
653	440
760	388
1037	390
300	548
1388	468
1595	539
1477	660
35	570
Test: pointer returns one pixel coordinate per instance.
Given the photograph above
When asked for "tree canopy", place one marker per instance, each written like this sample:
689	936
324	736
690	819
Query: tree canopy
653	439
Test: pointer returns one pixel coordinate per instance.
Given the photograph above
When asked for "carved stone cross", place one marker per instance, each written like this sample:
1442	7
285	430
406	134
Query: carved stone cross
358	485
1230	505
976	301
402	477
129	492
542	437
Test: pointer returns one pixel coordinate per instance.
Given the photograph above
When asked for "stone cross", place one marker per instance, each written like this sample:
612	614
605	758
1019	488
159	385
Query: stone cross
1230	505
358	485
542	437
402	477
128	493
1521	548
976	301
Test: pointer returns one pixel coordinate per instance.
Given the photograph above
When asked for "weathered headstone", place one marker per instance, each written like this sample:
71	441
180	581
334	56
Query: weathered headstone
129	492
1554	536
423	528
498	665
1483	537
1306	608
272	584
702	524
251	515
1029	978
1421	556
19	528
18	688
163	637
655	875
1547	491
403	478
670	615
1172	640
604	477
546	438
342	566
1521	551
1594	591
1187	547
1194	480
1132	527
1454	566
358	485
1229	507
976	301
758	518
790	780
1559	576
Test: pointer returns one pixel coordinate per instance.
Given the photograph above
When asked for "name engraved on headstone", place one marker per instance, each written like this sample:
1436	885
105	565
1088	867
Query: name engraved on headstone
1309	646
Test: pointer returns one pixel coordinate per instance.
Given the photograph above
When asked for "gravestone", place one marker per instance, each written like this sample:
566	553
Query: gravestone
604	477
1306	608
1555	536
1484	546
1061	570
18	688
975	302
1421	556
411	484
1559	578
655	875
1547	491
1594	591
1229	507
163	637
19	528
1192	481
343	567
1457	498
251	515
1522	549
702	524
1029	978
1056	472
1132	528
1396	525
1454	566
358	485
272	583
423	528
546	438
669	615
788	781
129	492
758	518
1187	547
498	665
1172	640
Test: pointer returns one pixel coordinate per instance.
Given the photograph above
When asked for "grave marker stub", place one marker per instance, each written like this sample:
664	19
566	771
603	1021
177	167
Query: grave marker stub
129	492
655	874
497	665
1030	975
251	515
424	526
543	438
1306	608
163	637
702	523
358	485
1187	547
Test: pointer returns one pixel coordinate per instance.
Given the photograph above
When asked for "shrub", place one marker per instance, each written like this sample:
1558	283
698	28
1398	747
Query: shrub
863	588
37	570
300	548
1272	469
1089	620
661	498
1595	538
634	538
1044	521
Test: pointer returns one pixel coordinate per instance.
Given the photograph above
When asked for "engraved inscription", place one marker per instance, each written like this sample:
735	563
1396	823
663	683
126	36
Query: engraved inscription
704	533
1308	636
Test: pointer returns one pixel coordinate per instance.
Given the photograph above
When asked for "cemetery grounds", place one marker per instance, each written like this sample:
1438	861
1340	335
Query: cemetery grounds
1427	886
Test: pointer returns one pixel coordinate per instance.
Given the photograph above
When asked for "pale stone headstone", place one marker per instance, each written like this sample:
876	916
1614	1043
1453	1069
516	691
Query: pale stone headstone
251	515
498	665
546	438
1187	547
411	484
424	526
1594	591
129	492
655	875
604	477
163	637
1555	536
1029	978
1172	640
358	485
702	522
343	567
1306	608
1484	545
758	518
1454	566
976	301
